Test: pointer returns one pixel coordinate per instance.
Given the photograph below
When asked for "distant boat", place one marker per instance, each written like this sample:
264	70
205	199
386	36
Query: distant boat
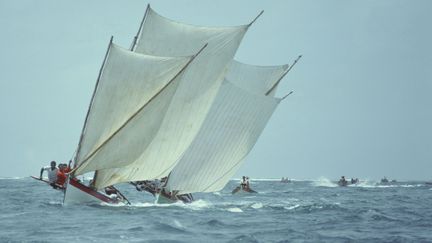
384	180
241	189
344	182
285	180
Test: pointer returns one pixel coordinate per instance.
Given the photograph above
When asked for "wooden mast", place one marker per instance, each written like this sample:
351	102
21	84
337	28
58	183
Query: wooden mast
91	102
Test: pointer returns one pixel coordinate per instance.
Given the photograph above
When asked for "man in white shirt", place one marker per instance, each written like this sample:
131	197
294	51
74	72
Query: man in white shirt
52	172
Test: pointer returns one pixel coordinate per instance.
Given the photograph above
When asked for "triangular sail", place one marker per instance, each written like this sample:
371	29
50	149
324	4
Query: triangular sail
234	123
232	127
127	83
193	98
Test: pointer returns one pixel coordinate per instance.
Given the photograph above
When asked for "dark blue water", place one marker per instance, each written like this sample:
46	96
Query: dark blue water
301	211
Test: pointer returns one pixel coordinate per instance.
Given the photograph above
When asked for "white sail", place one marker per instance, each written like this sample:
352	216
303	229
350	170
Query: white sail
254	79
193	98
231	129
128	82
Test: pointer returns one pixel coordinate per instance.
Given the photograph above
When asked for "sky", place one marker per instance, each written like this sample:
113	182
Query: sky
361	105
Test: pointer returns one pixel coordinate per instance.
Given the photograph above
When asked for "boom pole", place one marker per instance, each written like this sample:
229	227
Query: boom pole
283	75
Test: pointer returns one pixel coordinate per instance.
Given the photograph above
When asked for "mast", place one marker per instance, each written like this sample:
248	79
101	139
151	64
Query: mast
283	75
134	42
91	102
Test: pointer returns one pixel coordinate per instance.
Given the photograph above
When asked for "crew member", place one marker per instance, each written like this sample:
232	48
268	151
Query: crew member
52	173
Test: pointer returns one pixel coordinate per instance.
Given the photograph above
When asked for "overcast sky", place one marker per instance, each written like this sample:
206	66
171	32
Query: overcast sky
361	105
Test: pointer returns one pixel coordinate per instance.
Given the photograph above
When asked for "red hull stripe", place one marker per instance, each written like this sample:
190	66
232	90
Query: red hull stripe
74	182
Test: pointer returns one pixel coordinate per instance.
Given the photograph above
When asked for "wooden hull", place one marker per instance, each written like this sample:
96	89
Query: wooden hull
78	193
165	199
238	190
162	199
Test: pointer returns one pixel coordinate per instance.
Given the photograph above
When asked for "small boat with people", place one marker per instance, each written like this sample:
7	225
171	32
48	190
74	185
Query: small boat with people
285	180
156	188
243	187
344	182
386	181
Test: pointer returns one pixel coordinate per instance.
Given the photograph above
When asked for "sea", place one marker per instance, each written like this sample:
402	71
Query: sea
299	211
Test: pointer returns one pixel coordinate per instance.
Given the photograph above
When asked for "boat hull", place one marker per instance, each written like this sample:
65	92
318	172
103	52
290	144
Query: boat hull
165	199
239	190
78	193
162	199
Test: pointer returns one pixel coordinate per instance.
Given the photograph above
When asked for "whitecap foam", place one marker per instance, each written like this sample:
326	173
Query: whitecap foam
235	210
257	205
324	182
147	205
292	207
197	205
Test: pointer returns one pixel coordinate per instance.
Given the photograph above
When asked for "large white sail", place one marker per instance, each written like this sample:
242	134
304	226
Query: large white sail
193	98
130	85
234	123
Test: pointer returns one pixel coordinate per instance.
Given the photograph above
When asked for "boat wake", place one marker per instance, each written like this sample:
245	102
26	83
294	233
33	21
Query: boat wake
324	182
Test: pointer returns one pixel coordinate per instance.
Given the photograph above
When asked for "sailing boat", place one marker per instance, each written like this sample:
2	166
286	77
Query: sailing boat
157	110
245	101
131	88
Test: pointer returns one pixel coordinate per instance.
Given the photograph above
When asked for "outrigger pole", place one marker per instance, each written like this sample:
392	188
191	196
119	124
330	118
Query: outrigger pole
132	48
283	75
91	104
123	196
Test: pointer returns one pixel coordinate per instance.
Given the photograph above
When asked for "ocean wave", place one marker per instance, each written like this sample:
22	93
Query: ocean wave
266	179
292	207
12	215
12	178
256	205
378	185
195	205
214	223
244	238
234	210
173	227
377	215
198	204
324	182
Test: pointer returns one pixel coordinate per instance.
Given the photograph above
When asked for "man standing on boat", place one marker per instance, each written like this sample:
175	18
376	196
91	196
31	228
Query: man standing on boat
52	173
